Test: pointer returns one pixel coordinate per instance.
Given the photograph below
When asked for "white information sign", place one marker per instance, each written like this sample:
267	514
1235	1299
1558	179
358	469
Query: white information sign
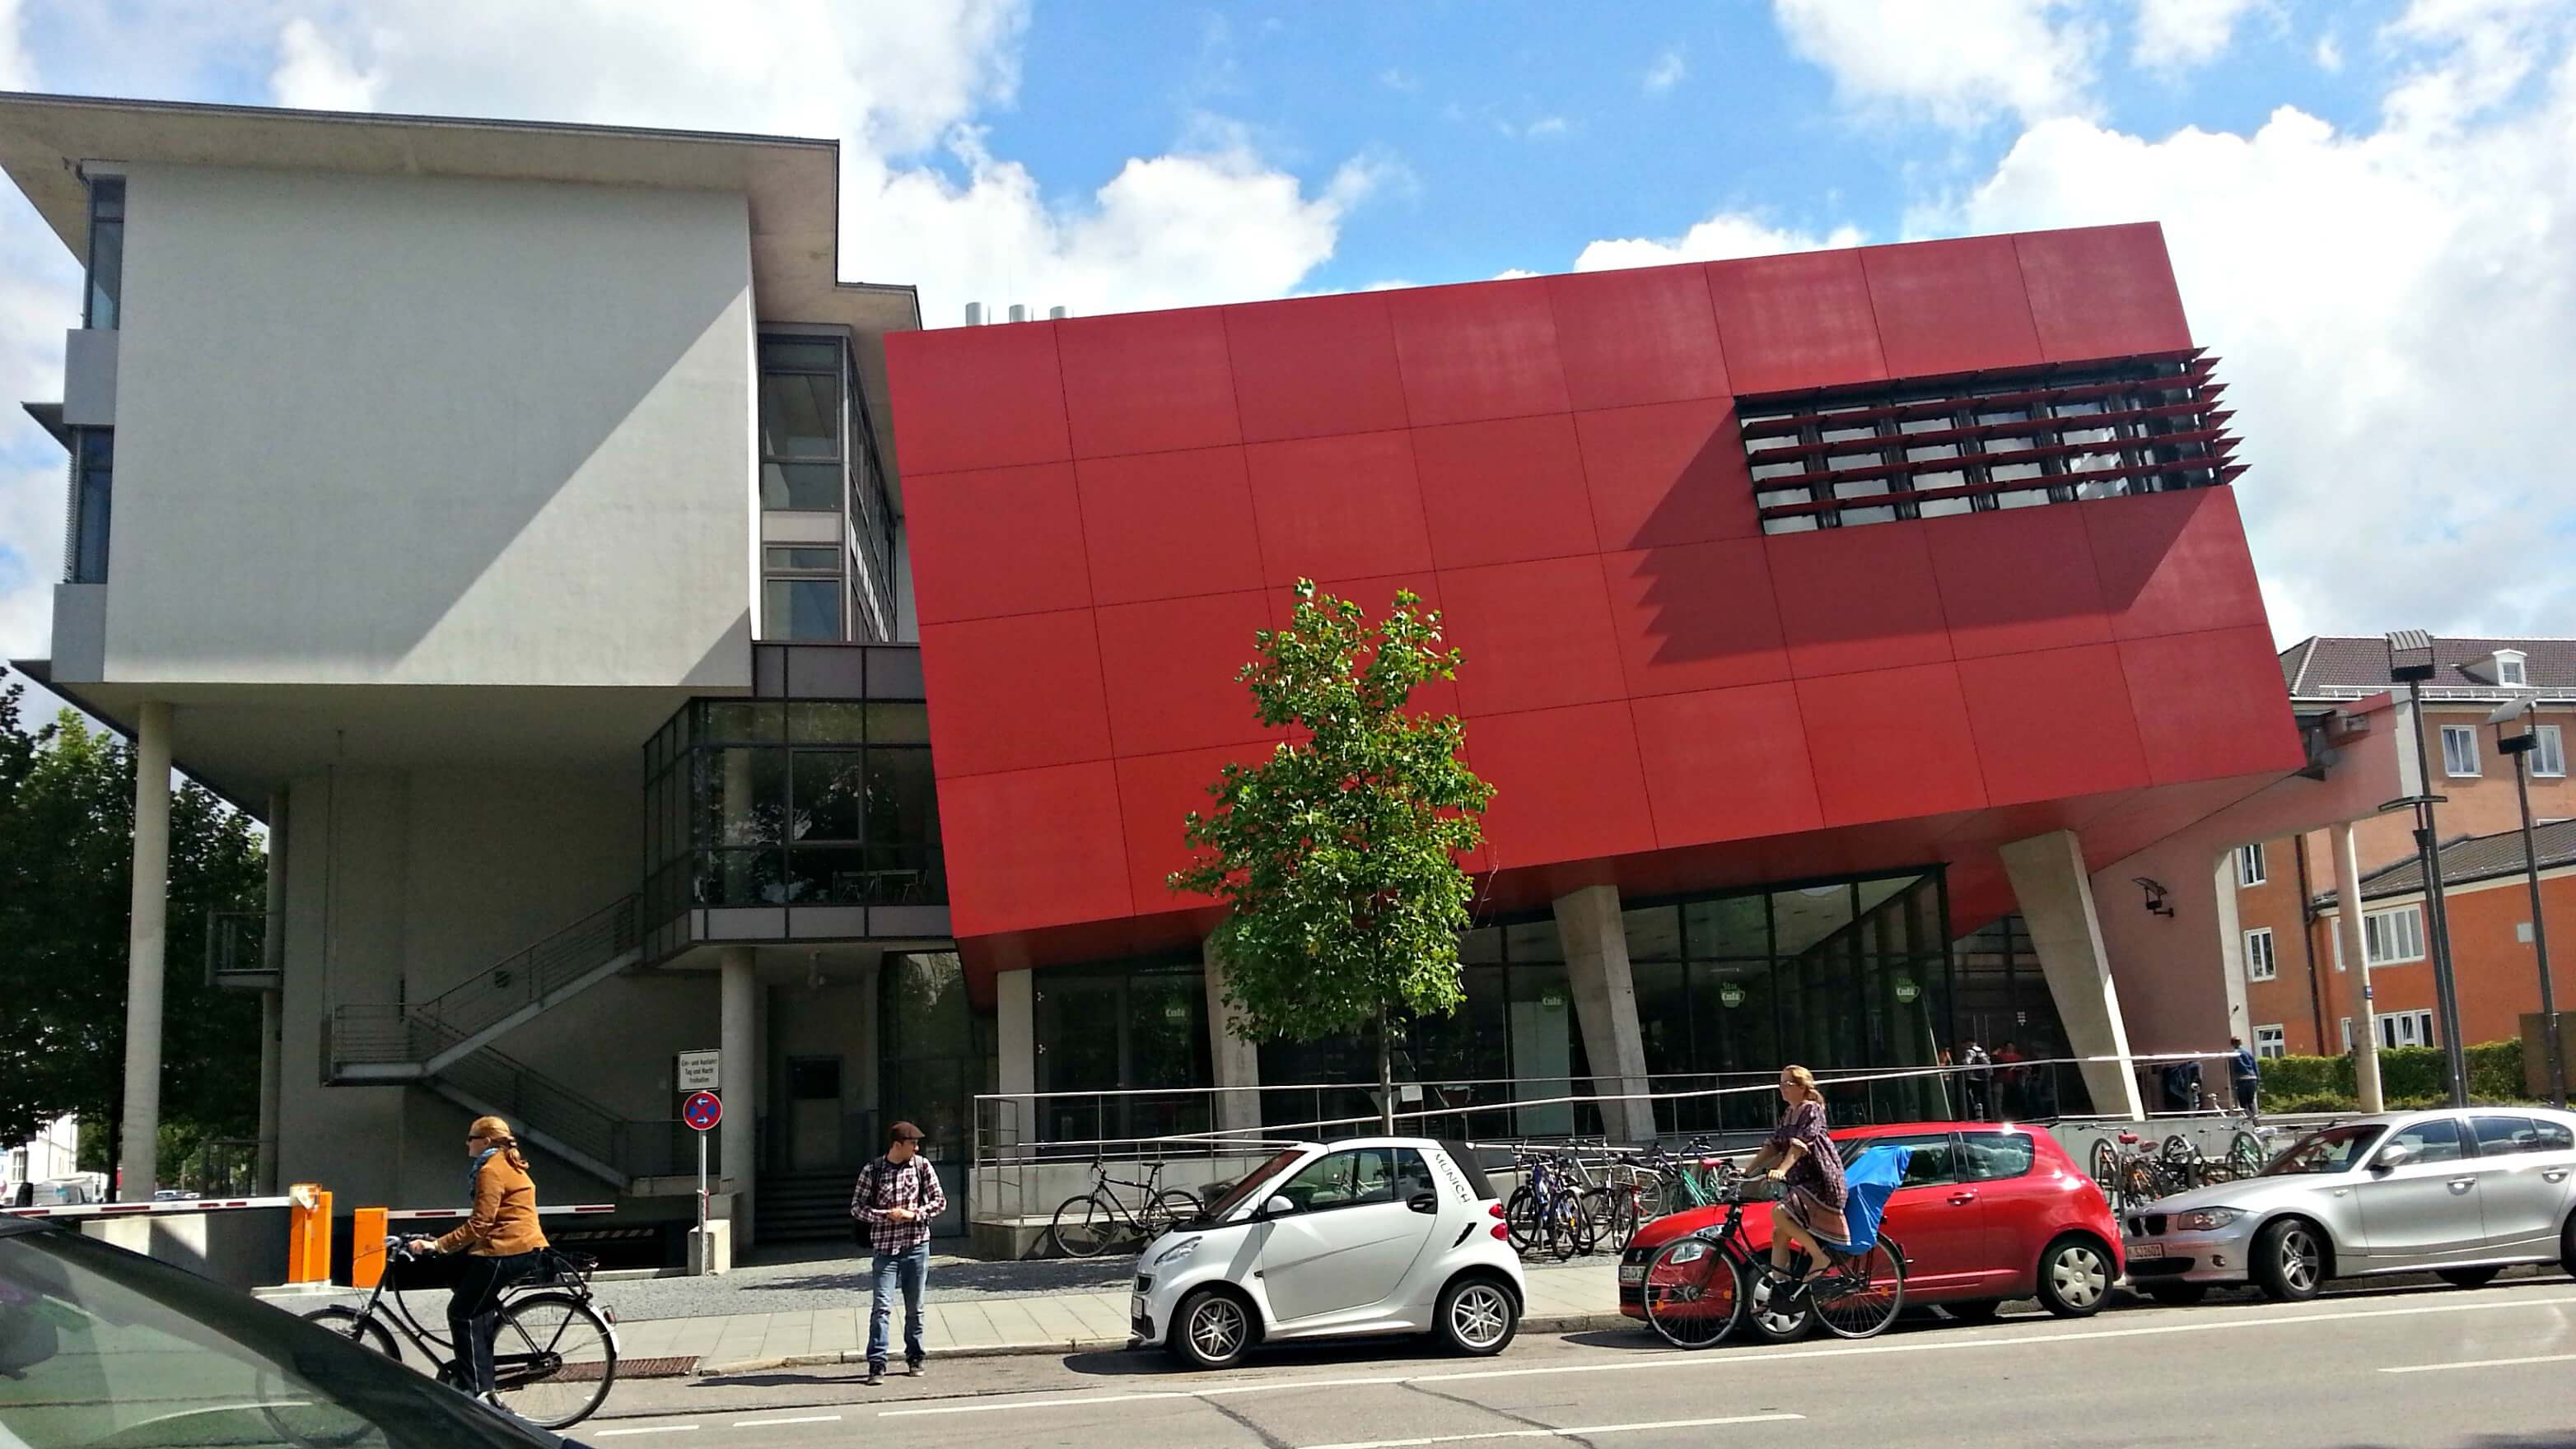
696	1072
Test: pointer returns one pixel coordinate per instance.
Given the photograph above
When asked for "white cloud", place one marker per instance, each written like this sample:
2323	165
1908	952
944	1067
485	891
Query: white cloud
2179	34
1395	79
17	70
1545	126
1959	62
1666	72
2329	55
312	75
2396	317
1727	234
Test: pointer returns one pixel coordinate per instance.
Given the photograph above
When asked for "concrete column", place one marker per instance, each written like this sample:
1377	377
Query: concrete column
1605	1006
1236	1062
146	940
737	1081
2345	867
272	1006
2056	901
1015	1049
2231	950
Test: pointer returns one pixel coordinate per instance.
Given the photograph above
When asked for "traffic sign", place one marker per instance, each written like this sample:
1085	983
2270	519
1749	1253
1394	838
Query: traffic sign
702	1111
695	1071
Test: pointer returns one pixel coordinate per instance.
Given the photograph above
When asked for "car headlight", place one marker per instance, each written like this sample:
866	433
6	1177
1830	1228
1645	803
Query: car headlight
2203	1220
1690	1251
1177	1251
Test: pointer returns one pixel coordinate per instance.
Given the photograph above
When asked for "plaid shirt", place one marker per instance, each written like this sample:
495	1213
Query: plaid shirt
884	1185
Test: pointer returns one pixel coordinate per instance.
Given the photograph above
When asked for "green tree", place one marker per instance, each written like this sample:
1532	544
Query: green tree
1338	856
66	883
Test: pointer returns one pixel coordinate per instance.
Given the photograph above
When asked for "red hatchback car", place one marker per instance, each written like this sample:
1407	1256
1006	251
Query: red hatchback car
1988	1212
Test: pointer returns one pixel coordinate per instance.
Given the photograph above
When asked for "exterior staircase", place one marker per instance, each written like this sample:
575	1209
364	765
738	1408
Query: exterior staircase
444	1044
803	1207
411	1043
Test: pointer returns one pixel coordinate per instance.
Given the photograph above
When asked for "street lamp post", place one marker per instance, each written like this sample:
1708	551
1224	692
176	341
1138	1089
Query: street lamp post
2415	647
2519	746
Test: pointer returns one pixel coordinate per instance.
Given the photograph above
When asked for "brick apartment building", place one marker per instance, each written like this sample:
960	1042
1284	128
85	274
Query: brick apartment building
2300	994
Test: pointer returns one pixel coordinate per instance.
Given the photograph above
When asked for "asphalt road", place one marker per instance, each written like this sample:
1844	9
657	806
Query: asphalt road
2491	1368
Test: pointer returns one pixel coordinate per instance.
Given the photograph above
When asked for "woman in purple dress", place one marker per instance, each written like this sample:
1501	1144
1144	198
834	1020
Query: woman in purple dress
1801	1158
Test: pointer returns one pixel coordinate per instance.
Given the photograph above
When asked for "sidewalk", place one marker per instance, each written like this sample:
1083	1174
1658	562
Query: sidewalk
814	1311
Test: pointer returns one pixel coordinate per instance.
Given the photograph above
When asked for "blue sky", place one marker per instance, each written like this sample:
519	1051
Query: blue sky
2369	205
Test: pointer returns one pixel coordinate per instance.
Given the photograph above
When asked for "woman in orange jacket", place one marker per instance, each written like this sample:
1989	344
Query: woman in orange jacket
500	1243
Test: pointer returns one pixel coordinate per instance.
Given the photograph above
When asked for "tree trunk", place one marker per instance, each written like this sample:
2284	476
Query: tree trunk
1385	1074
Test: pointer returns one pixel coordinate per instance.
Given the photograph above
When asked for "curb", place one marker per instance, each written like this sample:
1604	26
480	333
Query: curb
1547	1323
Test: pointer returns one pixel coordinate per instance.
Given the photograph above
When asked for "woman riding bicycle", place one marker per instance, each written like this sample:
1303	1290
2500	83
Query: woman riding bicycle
1802	1159
499	1244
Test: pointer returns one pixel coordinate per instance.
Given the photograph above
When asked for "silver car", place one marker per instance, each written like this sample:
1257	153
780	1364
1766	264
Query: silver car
2463	1194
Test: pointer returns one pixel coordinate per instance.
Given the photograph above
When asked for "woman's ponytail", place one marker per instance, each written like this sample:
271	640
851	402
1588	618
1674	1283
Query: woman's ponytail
496	1133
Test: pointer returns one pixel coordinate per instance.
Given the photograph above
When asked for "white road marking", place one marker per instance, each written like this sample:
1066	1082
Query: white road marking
2426	1368
803	1419
1703	1362
654	1429
1581	1430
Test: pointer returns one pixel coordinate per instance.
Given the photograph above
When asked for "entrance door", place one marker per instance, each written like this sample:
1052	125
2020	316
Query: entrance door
814	1113
930	1053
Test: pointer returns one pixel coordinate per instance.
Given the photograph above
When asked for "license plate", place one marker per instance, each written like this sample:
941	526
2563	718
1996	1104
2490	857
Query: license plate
1631	1274
1135	1305
2146	1250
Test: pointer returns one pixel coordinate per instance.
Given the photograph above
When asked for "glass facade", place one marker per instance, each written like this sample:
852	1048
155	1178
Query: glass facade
791	802
2003	1003
1847	976
105	299
93	499
1130	1026
818	455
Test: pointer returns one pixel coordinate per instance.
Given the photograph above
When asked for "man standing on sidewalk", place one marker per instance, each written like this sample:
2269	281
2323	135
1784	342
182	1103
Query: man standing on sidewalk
897	1199
2248	1075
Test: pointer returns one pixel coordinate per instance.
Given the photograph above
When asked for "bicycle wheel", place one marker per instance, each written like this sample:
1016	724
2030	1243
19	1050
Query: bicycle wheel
553	1359
1627	1214
1866	1293
1594	1210
2138	1182
359	1328
2106	1165
1521	1219
1083	1226
2245	1154
1569	1228
1692	1294
1170	1208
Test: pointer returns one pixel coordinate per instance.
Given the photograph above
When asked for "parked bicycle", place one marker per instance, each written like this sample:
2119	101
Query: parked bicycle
1092	1221
1698	1287
1548	1213
554	1355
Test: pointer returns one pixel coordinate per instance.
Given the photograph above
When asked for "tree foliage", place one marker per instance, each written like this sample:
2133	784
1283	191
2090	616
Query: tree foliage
66	883
1338	856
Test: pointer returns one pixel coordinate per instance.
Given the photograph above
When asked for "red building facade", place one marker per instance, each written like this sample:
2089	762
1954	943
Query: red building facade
1670	688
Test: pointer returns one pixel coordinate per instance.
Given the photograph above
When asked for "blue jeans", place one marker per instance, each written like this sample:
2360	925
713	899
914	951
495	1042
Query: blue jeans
910	1268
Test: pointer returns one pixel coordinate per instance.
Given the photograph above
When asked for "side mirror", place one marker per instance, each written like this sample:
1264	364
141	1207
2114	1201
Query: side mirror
1277	1207
2392	1158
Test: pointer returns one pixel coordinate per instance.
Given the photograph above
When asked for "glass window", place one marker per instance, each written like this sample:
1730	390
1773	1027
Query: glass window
2548	1136
1933	1161
1993	1155
805	560
1654	934
2388	937
2271	1041
827	793
2435	1139
2333	1150
803	609
755	720
2249	865
2509	670
2549	752
787	354
1730	926
743	795
2259	963
800	415
106	252
898	724
811	486
2405	1028
93	469
2504	1136
827	723
1355	1177
2459	750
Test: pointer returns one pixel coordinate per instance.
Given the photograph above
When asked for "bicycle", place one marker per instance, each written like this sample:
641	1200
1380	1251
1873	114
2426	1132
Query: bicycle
1694	1290
554	1354
1545	1214
1087	1223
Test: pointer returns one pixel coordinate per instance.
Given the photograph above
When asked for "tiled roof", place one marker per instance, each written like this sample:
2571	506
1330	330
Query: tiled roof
2471	858
2332	663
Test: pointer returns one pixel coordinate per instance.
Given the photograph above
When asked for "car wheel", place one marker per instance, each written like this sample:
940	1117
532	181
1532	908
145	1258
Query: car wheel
1212	1329
1772	1326
2567	1246
1478	1316
1982	1310
2467	1277
2289	1261
2074	1277
2178	1295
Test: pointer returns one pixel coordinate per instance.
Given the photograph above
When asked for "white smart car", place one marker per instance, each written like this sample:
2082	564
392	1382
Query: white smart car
1327	1240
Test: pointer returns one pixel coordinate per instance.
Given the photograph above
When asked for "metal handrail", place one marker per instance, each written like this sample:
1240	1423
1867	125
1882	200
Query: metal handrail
521	979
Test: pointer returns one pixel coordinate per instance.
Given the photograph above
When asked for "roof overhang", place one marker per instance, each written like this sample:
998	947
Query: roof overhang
791	184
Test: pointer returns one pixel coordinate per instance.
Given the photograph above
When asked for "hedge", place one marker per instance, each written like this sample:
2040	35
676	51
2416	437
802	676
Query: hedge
2408	1077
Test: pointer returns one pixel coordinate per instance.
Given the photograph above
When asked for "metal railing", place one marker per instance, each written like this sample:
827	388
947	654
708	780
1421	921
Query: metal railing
237	949
544	1107
519	982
